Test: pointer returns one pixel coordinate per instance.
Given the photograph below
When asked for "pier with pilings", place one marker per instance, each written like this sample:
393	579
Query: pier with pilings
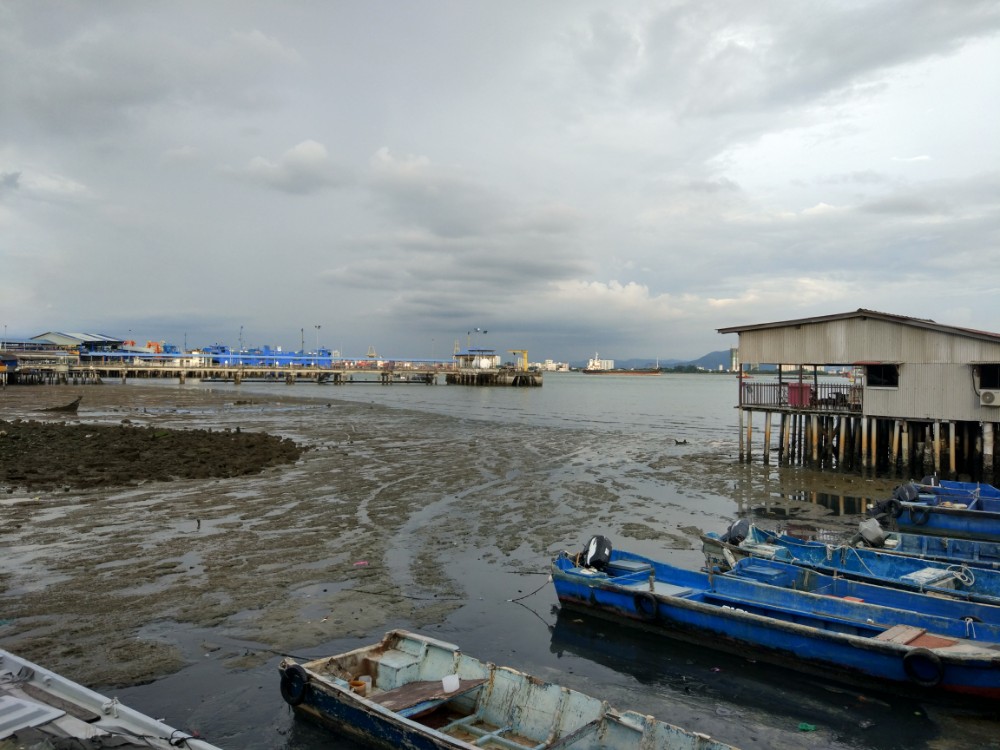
481	366
828	430
71	371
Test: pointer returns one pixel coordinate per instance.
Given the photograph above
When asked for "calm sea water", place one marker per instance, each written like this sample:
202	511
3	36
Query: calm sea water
664	406
617	418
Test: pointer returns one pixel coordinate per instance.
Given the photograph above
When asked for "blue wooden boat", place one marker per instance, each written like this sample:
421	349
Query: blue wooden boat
971	552
411	691
834	638
861	563
957	509
982	621
42	709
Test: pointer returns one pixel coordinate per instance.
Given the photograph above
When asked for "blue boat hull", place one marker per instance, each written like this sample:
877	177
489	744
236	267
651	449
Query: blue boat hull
956	509
866	564
814	634
363	725
982	620
972	552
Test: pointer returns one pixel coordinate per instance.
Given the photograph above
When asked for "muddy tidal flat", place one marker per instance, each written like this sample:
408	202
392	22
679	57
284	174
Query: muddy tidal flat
162	527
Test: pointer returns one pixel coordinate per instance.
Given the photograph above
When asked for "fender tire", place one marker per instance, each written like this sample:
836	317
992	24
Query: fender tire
923	667
646	606
919	516
895	508
293	684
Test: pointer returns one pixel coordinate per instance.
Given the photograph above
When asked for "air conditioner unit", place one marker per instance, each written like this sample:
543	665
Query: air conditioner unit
989	398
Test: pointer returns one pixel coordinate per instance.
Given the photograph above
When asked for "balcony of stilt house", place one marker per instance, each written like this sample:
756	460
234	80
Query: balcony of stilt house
818	423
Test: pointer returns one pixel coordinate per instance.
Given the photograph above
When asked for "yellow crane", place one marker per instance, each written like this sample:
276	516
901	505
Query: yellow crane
524	357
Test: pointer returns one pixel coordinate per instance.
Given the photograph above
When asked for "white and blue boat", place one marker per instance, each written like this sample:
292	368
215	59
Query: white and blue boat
415	692
972	552
955	580
835	638
982	621
42	709
969	510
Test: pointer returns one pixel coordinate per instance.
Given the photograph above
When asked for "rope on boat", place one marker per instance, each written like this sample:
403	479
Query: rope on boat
963	573
861	560
547	582
970	628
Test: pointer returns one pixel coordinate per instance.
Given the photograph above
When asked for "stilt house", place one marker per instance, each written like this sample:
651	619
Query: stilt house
871	390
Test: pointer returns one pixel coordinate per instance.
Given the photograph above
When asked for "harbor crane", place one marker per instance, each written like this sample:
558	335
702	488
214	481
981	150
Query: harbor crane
524	358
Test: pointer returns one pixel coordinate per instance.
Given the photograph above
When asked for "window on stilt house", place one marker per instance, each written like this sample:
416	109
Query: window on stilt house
989	376
882	376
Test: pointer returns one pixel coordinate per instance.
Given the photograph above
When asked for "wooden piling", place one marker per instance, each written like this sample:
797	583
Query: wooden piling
988	452
767	438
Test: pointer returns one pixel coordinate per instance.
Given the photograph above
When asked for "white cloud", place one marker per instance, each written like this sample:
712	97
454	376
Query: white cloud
302	169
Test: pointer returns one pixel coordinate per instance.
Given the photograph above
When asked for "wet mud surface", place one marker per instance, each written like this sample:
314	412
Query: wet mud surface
159	527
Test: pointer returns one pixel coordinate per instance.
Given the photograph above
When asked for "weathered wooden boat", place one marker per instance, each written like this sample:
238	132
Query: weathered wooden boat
834	638
861	563
71	407
982	621
957	509
415	692
41	709
972	552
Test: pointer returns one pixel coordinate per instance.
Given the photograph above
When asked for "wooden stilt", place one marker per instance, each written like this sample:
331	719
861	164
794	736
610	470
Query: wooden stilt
894	447
814	439
742	451
864	443
785	441
841	442
952	466
937	447
905	438
767	438
988	452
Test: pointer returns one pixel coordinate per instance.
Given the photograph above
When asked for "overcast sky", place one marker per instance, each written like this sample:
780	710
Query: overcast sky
568	176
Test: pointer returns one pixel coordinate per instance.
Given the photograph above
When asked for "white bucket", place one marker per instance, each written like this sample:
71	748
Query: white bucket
450	683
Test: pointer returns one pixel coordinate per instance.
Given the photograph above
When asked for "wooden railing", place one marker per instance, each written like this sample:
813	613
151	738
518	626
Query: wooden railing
839	397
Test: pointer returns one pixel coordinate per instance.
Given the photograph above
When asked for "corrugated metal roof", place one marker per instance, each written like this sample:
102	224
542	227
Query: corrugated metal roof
863	313
88	338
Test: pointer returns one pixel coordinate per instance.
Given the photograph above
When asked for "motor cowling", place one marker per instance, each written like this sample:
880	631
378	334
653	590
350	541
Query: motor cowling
737	531
597	553
872	533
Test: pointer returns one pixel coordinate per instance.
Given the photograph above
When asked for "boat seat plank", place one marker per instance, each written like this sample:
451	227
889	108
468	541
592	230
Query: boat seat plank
417	697
901	634
624	567
660	587
73	709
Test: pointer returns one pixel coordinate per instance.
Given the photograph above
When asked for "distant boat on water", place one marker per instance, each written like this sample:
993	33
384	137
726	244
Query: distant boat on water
598	366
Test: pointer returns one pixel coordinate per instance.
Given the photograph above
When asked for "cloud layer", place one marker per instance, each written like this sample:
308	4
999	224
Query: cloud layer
574	176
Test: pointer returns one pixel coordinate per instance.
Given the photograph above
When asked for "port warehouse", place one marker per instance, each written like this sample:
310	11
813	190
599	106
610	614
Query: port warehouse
926	398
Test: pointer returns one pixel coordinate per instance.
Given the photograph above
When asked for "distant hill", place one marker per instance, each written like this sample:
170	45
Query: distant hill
712	361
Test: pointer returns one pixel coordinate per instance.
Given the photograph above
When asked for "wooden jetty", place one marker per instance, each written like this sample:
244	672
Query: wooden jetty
922	397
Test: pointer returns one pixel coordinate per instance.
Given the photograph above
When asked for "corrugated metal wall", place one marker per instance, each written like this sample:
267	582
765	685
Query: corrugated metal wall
856	340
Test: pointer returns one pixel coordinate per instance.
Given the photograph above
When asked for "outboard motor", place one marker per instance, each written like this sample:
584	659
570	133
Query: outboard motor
737	531
872	533
597	553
